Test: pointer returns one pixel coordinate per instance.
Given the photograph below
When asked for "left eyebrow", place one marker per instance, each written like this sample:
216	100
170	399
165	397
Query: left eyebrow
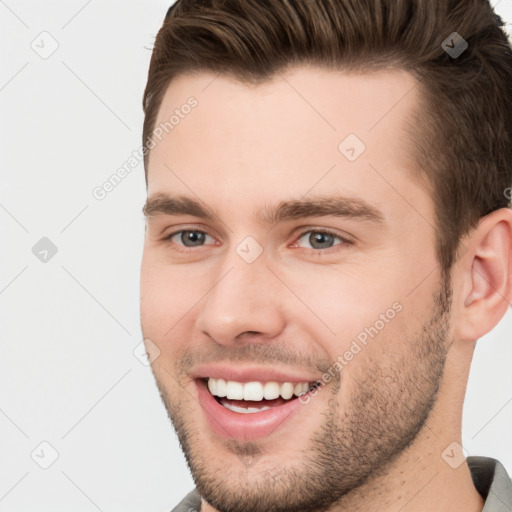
318	206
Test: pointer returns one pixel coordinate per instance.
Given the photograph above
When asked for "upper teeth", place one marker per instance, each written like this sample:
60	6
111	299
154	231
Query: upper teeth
255	390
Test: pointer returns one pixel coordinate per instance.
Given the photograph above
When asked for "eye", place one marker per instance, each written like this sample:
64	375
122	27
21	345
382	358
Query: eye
188	237
321	239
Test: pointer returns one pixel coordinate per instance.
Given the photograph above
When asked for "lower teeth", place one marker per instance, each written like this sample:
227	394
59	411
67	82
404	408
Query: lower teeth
243	410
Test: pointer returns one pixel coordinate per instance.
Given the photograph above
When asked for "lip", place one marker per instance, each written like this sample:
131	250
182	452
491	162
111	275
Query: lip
250	374
244	427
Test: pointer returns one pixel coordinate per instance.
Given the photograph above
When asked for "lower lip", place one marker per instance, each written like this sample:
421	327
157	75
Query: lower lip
244	427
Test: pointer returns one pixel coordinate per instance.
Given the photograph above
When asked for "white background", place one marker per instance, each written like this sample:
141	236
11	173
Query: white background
68	375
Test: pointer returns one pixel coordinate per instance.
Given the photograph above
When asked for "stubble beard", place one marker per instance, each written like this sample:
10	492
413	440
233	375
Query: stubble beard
358	440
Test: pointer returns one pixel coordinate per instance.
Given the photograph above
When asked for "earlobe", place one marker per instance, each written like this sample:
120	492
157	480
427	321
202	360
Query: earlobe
487	269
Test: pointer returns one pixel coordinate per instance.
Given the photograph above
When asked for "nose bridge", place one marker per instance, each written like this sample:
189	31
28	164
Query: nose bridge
241	298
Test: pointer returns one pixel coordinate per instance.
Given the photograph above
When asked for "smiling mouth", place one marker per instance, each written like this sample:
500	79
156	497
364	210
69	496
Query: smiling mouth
249	410
256	396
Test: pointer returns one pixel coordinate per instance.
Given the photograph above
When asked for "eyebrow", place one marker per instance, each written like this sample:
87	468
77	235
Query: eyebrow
318	206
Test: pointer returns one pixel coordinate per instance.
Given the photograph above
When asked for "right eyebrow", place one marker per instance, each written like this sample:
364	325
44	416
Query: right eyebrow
181	205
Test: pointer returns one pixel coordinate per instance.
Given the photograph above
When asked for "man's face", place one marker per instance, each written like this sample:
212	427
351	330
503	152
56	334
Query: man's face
248	296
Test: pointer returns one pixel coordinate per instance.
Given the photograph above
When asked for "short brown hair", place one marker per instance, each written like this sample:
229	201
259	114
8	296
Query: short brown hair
462	130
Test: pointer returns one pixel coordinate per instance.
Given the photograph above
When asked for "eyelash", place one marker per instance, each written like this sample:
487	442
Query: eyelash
316	252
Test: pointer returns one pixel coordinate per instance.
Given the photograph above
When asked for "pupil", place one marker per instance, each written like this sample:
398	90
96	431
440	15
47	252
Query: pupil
194	237
318	237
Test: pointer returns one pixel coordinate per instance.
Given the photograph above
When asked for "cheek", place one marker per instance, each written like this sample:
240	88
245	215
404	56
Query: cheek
352	316
168	296
344	302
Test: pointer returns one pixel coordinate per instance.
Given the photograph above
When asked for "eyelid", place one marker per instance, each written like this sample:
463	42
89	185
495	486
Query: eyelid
187	228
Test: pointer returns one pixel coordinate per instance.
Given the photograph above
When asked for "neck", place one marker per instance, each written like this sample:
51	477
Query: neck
432	473
421	480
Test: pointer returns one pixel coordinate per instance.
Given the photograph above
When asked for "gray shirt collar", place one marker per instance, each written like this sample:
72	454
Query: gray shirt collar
491	480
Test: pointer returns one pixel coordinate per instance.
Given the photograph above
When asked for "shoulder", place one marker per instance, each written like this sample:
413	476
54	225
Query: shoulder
190	503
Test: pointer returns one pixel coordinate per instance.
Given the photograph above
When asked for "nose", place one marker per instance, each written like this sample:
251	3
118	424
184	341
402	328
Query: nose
245	304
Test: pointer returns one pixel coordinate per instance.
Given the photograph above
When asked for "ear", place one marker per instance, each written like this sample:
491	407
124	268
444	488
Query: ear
484	276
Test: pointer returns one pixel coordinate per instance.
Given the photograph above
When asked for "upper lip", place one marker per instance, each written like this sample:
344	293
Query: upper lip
241	373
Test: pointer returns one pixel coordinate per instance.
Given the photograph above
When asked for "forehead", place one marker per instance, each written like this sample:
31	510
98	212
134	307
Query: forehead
306	128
